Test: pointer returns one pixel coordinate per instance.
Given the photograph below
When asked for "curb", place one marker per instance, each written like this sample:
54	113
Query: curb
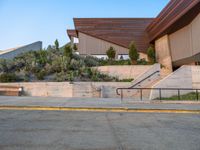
92	109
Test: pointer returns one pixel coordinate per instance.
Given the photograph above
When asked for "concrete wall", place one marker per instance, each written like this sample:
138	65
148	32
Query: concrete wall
65	89
185	42
89	45
179	46
195	76
163	54
184	77
124	72
10	54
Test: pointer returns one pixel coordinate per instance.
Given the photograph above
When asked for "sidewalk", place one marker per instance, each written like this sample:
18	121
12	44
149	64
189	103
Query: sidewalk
92	104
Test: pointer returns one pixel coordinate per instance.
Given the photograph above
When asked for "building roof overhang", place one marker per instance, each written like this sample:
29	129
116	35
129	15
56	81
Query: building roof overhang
72	33
119	31
177	14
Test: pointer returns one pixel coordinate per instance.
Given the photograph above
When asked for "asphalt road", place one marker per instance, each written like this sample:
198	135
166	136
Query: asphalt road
57	130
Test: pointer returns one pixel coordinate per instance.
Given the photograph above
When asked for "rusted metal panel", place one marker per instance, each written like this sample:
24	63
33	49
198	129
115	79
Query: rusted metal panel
176	15
72	33
119	31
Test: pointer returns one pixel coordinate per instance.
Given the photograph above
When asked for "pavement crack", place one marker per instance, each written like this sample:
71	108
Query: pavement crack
113	132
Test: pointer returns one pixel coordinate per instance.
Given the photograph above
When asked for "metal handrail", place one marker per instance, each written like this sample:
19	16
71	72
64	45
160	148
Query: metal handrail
144	79
160	91
137	82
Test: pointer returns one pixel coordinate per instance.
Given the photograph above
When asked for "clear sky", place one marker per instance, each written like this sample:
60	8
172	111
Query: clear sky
26	21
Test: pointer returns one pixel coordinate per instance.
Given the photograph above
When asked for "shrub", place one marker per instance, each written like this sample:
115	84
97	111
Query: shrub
3	65
142	62
68	51
91	61
151	54
126	80
56	45
111	53
8	77
41	74
75	47
70	76
75	65
133	53
60	77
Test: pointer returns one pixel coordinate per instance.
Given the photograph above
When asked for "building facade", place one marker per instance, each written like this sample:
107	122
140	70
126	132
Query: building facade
97	35
175	33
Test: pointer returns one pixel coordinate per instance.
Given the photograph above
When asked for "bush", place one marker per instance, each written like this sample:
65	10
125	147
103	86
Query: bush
151	54
40	75
111	53
68	51
60	77
133	53
142	62
8	77
91	61
75	47
114	62
56	45
75	65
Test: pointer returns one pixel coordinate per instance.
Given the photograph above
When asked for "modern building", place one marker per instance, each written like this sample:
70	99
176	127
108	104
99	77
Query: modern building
97	35
175	32
13	52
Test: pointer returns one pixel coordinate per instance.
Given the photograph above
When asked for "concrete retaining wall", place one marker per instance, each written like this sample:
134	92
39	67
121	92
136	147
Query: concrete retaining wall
184	77
124	72
65	89
195	77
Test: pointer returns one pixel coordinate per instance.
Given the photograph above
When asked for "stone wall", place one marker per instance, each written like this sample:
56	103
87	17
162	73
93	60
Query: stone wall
65	89
124	72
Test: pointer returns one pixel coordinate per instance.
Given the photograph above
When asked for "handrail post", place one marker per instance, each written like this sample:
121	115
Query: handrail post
141	98
179	98
160	95
121	95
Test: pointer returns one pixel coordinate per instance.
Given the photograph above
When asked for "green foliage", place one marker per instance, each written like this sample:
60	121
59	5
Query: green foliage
56	45
114	62
189	96
142	62
151	54
111	53
126	80
8	77
3	65
75	47
41	74
60	77
56	65
68	51
91	61
133	53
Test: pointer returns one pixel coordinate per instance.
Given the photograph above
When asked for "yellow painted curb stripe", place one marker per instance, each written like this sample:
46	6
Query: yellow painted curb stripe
36	108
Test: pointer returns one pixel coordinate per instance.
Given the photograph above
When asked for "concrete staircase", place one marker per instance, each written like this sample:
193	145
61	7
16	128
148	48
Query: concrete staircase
149	84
